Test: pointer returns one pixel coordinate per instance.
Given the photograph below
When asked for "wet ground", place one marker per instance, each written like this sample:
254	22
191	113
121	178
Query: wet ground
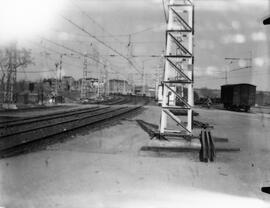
104	167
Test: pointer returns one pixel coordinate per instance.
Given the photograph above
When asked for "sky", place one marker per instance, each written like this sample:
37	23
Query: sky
223	28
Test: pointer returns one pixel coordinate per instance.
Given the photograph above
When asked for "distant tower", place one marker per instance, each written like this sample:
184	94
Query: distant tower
97	67
84	79
130	53
107	83
178	73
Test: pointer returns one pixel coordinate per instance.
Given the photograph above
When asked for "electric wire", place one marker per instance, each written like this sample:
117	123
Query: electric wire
94	21
103	43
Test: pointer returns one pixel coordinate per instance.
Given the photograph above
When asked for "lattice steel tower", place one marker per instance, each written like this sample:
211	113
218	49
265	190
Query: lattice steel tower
178	73
84	79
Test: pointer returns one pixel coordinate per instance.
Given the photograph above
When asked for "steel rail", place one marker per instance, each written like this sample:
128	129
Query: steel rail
26	119
34	119
55	128
39	123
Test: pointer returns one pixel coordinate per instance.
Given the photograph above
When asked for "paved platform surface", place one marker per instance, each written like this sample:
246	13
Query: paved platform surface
104	167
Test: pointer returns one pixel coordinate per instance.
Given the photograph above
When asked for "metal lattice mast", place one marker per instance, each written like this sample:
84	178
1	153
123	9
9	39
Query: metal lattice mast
178	73
107	83
96	65
84	81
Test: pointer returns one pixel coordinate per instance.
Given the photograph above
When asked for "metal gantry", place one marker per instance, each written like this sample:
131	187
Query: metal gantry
177	85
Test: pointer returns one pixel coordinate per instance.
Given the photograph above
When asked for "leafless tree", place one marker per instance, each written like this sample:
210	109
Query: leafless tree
11	59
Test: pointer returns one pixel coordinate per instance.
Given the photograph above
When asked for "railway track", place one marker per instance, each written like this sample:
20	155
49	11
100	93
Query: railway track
121	100
23	131
113	101
17	121
118	101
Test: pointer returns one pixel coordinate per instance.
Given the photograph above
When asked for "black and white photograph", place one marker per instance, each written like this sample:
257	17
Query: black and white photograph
134	103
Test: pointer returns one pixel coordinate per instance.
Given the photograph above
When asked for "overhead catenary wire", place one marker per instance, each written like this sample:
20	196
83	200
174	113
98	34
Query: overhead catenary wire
80	53
132	33
47	56
146	29
69	49
233	70
245	75
55	59
32	72
74	51
71	56
237	69
95	22
120	35
113	35
64	62
103	43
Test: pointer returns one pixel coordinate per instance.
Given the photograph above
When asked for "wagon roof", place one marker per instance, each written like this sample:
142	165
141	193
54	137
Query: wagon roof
238	84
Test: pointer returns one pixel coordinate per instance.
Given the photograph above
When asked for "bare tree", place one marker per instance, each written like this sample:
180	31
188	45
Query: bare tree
11	59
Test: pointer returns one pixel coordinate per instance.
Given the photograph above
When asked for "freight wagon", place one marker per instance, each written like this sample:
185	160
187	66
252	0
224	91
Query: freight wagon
238	96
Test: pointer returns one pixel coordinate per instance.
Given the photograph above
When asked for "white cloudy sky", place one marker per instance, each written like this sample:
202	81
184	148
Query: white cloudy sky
223	28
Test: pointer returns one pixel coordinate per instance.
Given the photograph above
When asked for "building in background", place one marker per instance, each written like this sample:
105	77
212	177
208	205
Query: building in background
118	86
263	98
143	90
91	87
68	83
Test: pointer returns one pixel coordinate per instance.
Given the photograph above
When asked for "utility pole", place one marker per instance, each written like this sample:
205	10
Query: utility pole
226	74
56	81
60	70
143	77
130	79
143	81
179	64
130	51
96	55
107	81
58	65
84	79
251	58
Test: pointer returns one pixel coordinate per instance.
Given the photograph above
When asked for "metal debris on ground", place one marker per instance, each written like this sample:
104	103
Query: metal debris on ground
207	152
199	124
207	148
